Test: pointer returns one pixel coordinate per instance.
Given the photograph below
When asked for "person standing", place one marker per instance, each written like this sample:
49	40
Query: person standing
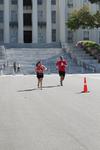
39	69
61	66
15	67
18	68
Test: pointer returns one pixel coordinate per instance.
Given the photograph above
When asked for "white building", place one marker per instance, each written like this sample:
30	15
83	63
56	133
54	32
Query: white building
41	21
81	34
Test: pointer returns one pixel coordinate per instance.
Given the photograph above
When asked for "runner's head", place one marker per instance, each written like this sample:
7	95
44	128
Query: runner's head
61	57
38	63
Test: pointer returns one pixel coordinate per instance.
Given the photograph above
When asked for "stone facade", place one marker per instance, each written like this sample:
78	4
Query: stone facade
41	21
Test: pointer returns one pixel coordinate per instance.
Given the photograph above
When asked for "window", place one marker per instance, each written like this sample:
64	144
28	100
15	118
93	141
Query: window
70	3
53	16
40	15
70	36
27	19
13	16
14	2
1	16
53	2
86	35
53	35
1	35
85	1
40	2
27	2
1	1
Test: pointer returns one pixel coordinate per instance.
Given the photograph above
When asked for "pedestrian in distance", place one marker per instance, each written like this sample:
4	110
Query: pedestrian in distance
40	69
61	65
4	66
15	67
18	68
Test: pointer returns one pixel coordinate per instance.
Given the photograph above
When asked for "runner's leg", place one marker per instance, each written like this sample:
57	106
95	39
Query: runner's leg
41	83
62	78
61	81
38	83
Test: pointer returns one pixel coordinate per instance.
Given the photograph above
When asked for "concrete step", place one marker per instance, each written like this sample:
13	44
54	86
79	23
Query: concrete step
39	45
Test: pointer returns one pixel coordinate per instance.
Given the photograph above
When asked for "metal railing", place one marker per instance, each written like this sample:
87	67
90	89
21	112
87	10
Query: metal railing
78	61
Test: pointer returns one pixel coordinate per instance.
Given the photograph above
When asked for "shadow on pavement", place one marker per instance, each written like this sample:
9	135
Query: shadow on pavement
82	92
29	90
51	86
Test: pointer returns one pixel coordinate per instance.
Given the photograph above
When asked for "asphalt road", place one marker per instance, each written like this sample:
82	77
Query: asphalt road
55	118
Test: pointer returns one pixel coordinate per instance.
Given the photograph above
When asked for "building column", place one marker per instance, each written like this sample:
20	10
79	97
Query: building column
49	23
62	27
20	21
6	22
34	22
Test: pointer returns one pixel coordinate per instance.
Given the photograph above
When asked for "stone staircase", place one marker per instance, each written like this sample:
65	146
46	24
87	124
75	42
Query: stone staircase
27	58
78	60
35	45
80	57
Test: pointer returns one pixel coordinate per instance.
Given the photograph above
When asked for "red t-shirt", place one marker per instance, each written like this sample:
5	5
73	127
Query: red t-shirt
40	69
61	64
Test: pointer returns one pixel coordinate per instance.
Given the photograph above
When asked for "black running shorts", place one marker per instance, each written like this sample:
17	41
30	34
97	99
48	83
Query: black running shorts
40	75
61	73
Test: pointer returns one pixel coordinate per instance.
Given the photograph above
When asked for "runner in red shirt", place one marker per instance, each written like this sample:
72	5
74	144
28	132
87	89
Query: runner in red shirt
39	69
61	66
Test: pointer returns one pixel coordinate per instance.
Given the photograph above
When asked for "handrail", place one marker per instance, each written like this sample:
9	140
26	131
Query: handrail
77	60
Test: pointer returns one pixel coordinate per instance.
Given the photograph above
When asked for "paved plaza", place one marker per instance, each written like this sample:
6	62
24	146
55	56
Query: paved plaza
55	118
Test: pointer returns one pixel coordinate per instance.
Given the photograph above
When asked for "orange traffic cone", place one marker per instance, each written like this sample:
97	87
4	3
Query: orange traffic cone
85	89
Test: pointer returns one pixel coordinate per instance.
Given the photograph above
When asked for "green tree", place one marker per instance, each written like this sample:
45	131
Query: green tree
85	18
81	18
73	21
94	1
97	19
